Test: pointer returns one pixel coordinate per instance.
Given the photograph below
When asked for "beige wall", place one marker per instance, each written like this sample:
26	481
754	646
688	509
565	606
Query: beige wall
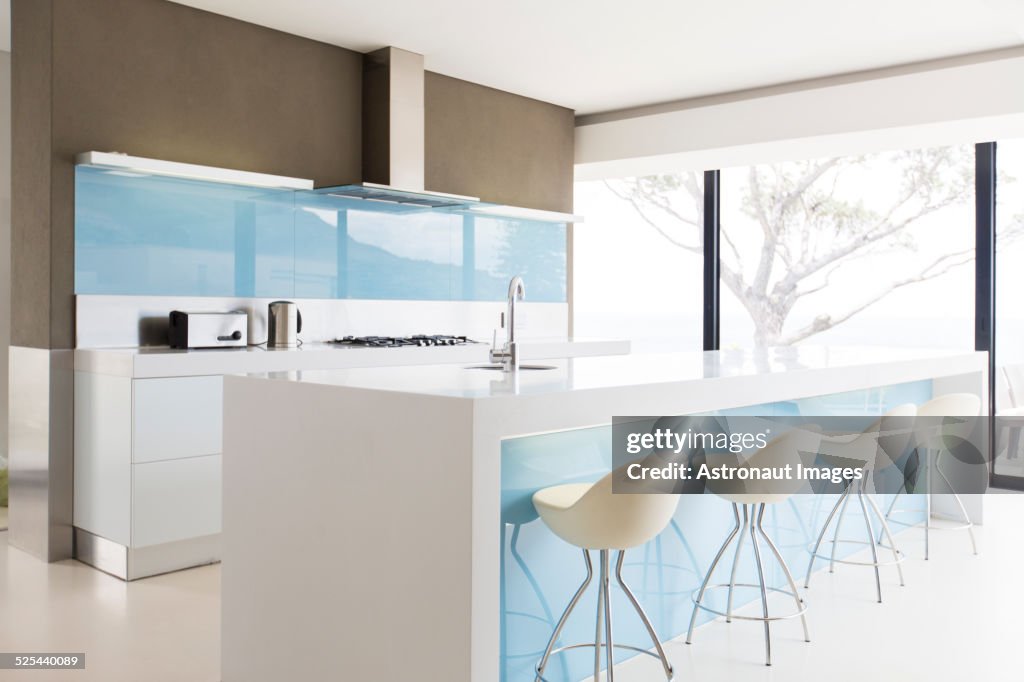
497	146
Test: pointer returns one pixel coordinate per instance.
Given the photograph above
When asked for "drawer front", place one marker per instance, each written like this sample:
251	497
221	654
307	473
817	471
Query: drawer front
176	500
178	417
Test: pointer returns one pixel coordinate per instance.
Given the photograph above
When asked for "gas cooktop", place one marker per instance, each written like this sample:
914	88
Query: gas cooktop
400	341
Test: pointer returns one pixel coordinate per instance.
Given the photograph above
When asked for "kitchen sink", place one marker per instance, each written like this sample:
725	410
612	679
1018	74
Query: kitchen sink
499	367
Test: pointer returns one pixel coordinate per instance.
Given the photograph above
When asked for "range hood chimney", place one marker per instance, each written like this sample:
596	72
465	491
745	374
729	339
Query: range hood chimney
394	147
393	135
393	128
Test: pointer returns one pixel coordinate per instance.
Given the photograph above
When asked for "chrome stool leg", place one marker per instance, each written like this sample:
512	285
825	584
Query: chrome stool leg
839	524
871	540
643	616
928	508
600	615
603	622
609	646
889	511
888	535
867	506
892	505
663	593
754	520
789	576
963	510
764	595
821	535
967	524
736	563
711	571
565	615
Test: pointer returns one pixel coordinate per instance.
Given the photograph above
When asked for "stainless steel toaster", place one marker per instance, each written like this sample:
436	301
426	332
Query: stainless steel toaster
208	330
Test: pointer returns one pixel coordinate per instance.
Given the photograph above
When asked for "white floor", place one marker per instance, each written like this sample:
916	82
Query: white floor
958	618
161	629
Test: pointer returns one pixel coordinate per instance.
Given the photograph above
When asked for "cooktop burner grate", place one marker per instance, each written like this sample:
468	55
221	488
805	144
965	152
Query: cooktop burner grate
400	341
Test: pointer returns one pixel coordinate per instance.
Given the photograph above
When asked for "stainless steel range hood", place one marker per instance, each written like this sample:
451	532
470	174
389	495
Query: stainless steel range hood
393	135
371	191
394	148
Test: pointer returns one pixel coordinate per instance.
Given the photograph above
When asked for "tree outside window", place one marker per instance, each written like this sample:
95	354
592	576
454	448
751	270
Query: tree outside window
873	249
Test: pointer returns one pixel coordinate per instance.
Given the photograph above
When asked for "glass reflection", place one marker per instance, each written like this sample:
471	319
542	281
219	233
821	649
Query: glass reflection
147	235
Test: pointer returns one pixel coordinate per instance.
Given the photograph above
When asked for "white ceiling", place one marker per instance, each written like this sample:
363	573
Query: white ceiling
600	55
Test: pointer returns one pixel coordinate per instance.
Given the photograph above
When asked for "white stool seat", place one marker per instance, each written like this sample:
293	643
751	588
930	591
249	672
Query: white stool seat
590	516
558	498
782	450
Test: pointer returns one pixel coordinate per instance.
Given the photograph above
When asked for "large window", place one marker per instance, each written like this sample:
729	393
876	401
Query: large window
869	250
637	261
872	250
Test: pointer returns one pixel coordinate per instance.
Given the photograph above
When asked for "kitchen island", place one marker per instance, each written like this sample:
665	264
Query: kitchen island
377	520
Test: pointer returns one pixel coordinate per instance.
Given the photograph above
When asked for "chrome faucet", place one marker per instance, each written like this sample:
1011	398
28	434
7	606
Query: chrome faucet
508	355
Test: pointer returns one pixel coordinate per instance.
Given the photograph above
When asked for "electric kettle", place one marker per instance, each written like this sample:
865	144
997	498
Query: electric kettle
284	322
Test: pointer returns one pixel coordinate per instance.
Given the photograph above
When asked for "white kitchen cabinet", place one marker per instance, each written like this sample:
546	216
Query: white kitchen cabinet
175	500
147	472
176	417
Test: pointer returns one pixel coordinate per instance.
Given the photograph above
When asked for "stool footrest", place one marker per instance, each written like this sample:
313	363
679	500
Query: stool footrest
602	645
795	614
907	524
850	562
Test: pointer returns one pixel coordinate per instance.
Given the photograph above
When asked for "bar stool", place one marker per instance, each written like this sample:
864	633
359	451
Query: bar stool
966	406
783	450
590	517
890	435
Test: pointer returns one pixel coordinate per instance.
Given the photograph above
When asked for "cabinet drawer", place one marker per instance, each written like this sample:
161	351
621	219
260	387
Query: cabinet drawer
178	417
175	500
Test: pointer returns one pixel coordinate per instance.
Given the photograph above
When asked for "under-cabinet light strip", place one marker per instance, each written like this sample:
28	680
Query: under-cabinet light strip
138	164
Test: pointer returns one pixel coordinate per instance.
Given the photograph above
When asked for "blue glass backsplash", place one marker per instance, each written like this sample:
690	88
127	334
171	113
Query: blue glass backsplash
148	235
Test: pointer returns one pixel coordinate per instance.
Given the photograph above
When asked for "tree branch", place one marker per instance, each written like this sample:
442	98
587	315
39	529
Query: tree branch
936	268
693	248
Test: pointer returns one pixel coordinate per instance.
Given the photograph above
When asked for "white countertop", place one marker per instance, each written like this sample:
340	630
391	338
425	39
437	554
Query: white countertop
140	363
867	366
